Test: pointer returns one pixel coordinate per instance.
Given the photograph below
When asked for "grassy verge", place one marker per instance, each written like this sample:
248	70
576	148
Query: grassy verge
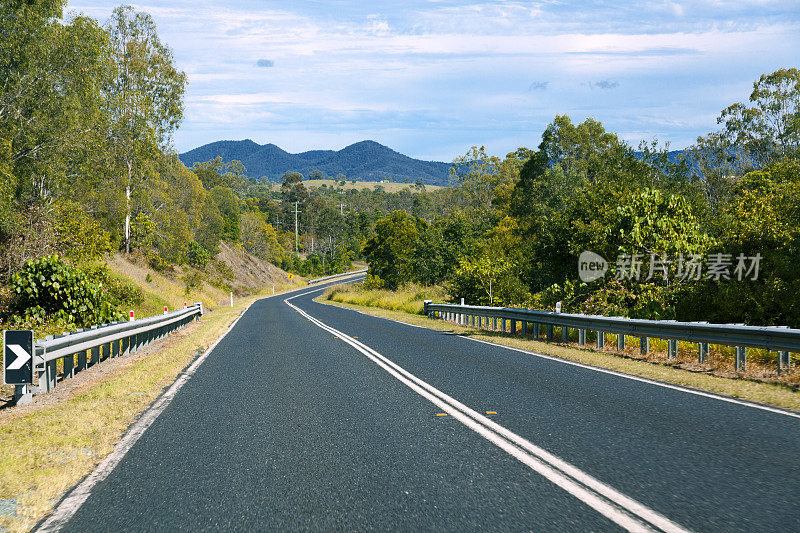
409	299
782	395
48	450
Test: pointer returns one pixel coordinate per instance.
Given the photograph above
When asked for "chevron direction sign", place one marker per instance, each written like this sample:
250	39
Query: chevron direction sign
18	357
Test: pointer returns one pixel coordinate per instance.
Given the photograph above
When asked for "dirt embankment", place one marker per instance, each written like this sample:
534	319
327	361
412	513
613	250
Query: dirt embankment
250	273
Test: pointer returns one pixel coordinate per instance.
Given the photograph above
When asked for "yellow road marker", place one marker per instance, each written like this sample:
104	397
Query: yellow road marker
441	414
491	412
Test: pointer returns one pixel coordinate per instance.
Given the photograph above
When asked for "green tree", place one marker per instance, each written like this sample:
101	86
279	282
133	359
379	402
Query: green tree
229	207
144	99
389	250
770	127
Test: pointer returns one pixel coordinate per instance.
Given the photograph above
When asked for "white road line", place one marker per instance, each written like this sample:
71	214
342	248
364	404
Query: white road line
696	392
621	509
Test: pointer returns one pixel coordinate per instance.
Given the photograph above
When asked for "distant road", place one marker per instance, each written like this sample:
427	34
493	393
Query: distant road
309	416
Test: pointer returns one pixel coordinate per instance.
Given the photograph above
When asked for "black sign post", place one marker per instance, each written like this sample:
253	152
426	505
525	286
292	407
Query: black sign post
18	357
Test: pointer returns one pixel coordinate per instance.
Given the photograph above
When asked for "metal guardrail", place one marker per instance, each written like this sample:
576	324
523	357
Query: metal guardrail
317	280
86	347
775	338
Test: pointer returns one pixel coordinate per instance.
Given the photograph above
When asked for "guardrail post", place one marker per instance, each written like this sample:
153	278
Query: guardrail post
503	325
494	323
672	349
95	352
564	334
536	333
425	304
783	362
601	339
69	364
524	328
549	332
620	342
81	361
644	345
47	377
702	350
741	358
513	327
582	337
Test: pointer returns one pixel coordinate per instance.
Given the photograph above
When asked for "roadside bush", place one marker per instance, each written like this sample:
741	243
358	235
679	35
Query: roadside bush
51	287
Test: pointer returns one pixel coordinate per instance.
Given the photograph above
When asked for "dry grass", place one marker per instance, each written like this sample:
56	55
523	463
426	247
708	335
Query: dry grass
685	372
162	290
49	448
408	299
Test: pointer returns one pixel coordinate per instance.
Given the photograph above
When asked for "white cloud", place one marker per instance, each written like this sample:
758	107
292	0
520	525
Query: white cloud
421	70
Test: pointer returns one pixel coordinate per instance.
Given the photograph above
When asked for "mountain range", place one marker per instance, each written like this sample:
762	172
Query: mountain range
363	161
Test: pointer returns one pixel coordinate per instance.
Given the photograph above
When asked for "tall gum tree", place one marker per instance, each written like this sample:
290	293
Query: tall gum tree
145	99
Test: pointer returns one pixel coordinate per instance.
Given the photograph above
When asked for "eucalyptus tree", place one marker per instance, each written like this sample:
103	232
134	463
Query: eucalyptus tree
144	99
769	128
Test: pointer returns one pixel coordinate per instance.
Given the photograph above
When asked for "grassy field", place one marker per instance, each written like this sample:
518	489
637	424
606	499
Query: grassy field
49	446
759	384
359	185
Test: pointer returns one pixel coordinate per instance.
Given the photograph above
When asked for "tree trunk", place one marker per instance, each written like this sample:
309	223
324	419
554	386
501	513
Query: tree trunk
128	211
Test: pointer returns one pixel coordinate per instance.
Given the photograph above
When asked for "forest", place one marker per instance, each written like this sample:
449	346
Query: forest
88	111
713	235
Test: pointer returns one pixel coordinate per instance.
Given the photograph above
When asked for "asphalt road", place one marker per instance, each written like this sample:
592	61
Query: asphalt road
312	417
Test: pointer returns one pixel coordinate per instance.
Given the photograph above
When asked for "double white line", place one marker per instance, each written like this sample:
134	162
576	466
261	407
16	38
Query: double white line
617	507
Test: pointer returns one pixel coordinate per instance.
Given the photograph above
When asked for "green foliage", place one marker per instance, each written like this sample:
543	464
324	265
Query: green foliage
51	287
438	248
229	207
651	221
389	250
120	291
632	300
198	256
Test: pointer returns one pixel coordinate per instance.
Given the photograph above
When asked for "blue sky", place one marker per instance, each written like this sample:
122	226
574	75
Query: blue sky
432	78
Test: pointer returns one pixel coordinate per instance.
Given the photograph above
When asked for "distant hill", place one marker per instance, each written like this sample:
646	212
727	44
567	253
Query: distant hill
363	161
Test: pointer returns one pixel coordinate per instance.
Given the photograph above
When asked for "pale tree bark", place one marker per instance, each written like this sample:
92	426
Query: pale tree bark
128	210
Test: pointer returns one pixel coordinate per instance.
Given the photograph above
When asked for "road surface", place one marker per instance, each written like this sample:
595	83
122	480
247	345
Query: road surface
308	416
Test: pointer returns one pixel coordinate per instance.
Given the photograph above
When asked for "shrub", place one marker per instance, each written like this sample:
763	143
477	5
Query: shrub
198	256
51	287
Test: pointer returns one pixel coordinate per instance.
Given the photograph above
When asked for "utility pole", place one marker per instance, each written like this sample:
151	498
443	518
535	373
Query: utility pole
341	208
296	211
277	222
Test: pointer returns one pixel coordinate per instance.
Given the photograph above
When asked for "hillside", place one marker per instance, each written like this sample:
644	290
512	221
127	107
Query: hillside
362	161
